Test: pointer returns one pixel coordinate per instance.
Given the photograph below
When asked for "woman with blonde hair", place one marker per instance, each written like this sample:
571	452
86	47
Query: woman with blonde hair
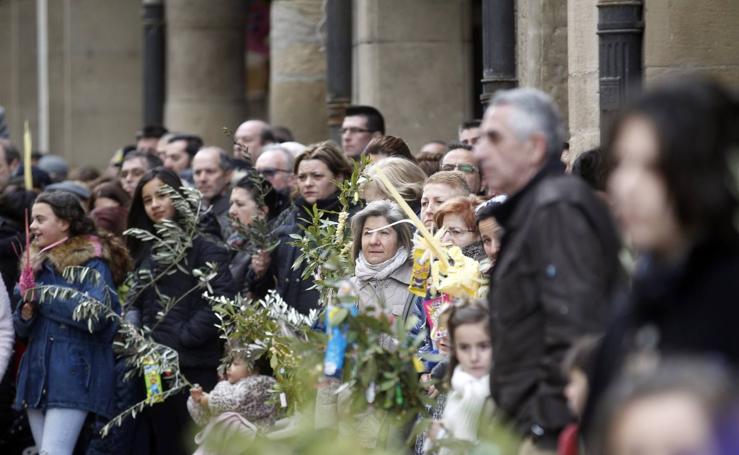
407	178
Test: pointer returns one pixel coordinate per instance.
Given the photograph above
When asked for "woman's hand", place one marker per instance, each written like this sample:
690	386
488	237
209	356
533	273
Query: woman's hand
27	311
260	263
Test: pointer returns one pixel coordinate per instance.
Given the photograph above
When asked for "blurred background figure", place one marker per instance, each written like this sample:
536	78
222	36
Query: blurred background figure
677	406
148	138
675	197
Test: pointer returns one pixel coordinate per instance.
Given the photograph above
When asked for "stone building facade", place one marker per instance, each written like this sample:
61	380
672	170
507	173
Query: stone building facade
419	61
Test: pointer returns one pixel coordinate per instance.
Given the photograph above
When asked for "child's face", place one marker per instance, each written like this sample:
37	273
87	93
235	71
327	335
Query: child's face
473	349
237	371
576	391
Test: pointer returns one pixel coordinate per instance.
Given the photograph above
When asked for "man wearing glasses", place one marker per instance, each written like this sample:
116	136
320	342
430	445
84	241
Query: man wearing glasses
461	158
276	165
361	125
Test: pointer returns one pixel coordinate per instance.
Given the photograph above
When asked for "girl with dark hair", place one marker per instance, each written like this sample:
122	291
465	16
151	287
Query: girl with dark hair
67	371
188	327
251	198
675	195
319	169
470	359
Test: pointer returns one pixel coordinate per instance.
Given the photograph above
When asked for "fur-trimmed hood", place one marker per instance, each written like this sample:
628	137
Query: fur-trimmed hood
76	251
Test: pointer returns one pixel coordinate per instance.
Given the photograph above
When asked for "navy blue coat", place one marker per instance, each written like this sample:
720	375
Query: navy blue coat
65	365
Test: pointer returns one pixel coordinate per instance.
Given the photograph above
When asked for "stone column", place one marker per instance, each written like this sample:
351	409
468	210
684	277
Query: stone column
338	63
205	67
693	36
154	52
542	48
582	61
297	97
499	47
412	62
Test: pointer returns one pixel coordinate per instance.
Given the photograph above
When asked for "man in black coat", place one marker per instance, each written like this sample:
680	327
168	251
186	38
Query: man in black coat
556	268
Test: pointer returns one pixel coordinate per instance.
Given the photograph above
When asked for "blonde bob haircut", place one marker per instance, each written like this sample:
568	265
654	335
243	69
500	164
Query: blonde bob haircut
407	177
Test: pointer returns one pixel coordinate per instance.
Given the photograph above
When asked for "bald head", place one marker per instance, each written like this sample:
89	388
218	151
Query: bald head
249	137
276	165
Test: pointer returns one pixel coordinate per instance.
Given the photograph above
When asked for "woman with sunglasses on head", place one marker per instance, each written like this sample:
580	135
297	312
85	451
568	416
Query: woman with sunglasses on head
461	158
66	372
189	327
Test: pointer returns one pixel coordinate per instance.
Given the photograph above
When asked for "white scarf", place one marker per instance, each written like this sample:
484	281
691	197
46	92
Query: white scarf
464	404
366	271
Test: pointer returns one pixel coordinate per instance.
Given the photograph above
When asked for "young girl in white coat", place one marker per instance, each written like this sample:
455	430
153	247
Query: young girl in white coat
470	359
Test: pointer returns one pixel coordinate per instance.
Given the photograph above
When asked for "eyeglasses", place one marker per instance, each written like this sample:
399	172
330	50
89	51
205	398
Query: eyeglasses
456	232
355	130
462	167
270	172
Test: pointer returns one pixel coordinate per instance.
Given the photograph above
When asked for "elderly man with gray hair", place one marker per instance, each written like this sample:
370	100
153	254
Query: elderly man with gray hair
556	269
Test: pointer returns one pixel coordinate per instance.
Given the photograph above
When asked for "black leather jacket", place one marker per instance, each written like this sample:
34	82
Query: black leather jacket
557	266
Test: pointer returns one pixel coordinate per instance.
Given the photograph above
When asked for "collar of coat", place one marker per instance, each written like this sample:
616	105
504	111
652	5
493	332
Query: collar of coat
505	212
77	250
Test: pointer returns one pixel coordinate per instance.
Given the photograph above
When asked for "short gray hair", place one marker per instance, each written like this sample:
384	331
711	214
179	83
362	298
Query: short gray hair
534	112
392	213
289	157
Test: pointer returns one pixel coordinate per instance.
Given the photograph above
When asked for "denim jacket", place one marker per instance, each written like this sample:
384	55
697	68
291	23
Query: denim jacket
66	364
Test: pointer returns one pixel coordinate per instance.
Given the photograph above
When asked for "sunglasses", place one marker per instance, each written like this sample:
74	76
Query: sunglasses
270	172
465	168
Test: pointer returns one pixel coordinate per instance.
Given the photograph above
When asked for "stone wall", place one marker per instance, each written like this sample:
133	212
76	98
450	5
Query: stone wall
297	97
412	61
94	75
542	48
687	35
582	62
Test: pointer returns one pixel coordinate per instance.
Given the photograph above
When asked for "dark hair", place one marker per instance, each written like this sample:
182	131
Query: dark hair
67	206
329	154
87	173
126	149
467	124
389	146
152	160
375	120
137	217
151	132
589	166
266	136
487	209
110	190
474	312
429	162
194	143
11	151
282	134
458	145
695	121
253	182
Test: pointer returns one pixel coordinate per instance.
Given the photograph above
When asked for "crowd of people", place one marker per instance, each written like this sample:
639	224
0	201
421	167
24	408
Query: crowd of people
603	322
